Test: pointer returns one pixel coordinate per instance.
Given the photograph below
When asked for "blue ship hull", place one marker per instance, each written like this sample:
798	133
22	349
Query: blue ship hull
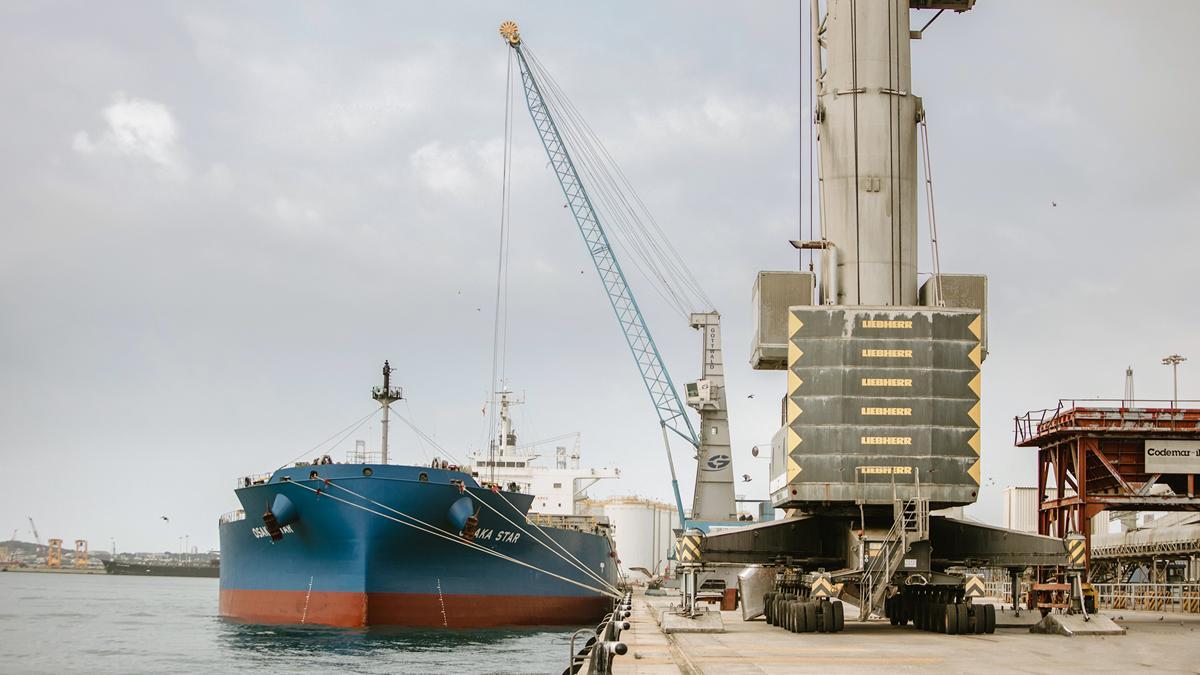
347	557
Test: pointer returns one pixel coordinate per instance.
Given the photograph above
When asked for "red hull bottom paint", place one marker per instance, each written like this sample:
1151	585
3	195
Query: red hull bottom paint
356	610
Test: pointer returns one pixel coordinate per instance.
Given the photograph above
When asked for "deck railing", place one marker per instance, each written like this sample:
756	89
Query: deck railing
232	516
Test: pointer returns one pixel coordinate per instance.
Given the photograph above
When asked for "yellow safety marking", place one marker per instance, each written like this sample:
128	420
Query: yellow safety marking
793	469
688	549
794	411
973	472
887	353
794	382
1075	551
822	588
974	443
902	412
973	587
886	440
886	382
794	325
793	440
973	413
874	323
976	325
976	355
975	383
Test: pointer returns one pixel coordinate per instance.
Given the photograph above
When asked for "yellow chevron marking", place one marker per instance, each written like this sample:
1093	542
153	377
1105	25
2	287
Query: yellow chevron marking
793	469
973	472
974	443
794	325
976	355
975	326
794	382
793	411
973	587
793	440
973	413
975	383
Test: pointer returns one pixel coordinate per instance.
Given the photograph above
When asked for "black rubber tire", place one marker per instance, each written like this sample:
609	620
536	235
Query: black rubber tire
964	621
831	625
839	617
989	614
919	615
768	610
978	621
939	617
950	620
794	612
889	608
810	617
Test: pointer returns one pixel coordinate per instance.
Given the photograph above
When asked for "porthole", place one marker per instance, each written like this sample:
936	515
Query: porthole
367	471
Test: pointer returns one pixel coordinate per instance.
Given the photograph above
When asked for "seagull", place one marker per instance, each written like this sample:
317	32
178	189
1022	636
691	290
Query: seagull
750	396
1053	203
745	478
166	519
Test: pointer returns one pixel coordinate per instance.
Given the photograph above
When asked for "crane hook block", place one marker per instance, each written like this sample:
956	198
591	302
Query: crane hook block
508	31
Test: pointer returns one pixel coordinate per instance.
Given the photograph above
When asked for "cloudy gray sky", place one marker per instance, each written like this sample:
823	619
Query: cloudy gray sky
218	219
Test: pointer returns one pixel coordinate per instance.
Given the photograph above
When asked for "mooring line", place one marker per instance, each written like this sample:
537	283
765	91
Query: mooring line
429	529
578	564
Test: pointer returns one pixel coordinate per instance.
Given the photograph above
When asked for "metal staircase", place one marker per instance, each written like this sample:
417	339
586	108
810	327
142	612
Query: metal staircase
910	525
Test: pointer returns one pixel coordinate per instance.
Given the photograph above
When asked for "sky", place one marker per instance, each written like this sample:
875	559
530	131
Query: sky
218	219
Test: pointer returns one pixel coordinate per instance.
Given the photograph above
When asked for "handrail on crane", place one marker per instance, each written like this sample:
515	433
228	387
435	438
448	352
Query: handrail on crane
668	405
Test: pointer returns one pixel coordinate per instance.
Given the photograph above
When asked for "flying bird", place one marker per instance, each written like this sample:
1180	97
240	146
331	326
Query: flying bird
745	478
1053	203
750	396
166	519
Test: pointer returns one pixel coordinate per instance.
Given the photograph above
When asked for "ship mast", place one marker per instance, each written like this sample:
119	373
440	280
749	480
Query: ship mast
386	395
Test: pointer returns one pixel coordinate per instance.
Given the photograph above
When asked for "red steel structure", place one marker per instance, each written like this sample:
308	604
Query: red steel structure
1091	457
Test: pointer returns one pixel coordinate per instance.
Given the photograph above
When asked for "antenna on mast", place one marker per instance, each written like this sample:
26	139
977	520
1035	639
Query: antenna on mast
386	395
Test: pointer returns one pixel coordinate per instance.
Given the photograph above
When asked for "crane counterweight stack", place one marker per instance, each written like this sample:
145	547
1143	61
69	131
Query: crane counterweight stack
882	405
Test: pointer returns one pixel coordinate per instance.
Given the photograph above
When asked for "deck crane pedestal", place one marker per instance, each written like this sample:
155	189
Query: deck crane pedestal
713	500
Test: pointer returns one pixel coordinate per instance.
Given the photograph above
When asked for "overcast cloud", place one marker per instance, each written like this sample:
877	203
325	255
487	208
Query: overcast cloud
219	219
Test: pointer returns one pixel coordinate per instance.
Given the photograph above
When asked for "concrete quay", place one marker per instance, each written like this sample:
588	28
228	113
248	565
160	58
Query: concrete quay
1164	642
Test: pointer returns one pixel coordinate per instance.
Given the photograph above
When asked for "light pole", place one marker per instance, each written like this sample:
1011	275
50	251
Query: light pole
1174	360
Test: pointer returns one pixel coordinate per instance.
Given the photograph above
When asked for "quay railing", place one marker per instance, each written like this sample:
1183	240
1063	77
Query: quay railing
1176	597
602	644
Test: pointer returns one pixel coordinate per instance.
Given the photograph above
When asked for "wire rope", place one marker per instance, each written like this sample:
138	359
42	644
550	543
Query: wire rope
422	526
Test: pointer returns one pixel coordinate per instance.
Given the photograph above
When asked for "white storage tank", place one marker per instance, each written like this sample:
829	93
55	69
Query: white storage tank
1021	509
643	530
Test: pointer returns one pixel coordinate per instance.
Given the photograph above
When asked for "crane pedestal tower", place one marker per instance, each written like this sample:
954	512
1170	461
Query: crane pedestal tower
881	413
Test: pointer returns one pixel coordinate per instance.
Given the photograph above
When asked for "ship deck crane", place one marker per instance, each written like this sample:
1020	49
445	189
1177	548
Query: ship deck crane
714	498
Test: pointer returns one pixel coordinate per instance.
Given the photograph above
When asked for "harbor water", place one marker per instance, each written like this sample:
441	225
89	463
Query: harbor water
60	623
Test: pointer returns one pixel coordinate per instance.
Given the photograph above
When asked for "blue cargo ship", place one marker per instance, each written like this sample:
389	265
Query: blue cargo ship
359	544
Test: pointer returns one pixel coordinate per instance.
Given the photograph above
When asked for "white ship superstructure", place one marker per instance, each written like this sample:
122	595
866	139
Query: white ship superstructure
558	489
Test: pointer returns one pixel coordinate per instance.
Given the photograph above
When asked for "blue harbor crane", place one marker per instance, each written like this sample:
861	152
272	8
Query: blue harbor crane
713	464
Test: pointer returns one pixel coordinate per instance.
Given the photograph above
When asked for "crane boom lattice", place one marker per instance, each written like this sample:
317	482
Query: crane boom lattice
658	383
